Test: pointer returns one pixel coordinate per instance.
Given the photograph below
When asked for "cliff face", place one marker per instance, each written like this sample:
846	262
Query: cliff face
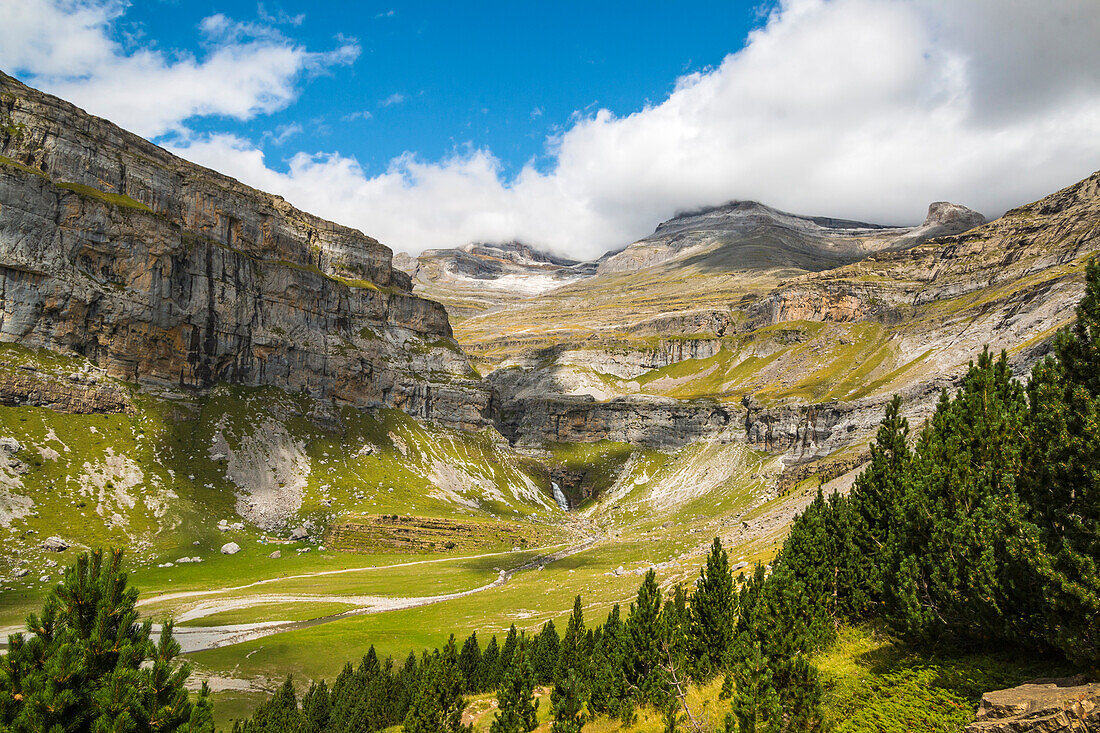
168	274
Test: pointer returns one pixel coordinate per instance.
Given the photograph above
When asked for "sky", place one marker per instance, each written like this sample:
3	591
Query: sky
578	127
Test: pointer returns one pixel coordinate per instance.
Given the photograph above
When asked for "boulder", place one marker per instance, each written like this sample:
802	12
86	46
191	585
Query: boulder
275	555
230	548
1040	706
21	572
10	445
55	544
299	533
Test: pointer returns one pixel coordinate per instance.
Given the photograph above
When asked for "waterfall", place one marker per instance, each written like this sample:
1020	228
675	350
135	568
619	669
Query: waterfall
559	496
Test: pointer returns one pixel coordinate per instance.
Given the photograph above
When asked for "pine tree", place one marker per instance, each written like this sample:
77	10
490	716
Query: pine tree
566	701
404	685
958	562
573	654
469	663
609	693
277	714
518	709
712	613
511	641
316	708
438	704
86	663
644	669
546	652
489	675
1061	481
756	707
876	512
202	712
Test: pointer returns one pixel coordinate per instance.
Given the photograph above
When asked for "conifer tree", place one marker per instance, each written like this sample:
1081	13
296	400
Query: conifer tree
546	651
511	642
712	613
403	687
86	663
756	707
876	512
517	707
489	676
566	701
958	564
609	693
277	714
644	668
316	708
202	712
469	663
438	704
1061	480
573	654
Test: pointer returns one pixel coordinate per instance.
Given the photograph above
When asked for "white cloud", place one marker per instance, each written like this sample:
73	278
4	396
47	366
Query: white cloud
66	47
395	98
865	109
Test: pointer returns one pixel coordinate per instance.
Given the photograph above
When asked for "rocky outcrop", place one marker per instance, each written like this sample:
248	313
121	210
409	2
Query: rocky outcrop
1043	242
170	275
477	277
650	421
1043	706
79	394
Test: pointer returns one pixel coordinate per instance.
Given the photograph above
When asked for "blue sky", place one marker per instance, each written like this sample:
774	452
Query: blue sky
436	76
578	127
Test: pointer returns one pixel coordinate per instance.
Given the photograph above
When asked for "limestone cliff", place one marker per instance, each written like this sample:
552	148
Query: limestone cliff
172	275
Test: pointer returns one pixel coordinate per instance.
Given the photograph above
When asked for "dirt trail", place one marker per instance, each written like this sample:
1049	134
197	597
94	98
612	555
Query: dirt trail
229	589
200	638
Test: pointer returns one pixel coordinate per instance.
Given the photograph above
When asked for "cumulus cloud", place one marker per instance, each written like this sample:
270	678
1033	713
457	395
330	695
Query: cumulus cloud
66	47
865	109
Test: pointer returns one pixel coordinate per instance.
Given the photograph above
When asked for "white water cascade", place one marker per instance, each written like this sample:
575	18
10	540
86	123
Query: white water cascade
559	496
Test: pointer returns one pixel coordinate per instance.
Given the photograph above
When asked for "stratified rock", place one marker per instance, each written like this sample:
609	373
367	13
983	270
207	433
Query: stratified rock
230	548
168	274
55	544
1043	706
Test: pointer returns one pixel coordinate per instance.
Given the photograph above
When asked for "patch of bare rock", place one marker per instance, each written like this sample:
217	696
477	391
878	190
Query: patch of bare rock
1040	706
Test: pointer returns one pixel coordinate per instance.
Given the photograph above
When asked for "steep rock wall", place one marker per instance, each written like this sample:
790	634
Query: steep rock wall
171	275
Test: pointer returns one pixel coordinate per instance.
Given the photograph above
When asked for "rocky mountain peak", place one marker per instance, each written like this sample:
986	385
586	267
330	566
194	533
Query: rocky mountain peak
953	216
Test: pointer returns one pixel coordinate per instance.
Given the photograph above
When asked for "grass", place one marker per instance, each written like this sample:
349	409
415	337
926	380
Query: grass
114	199
4	160
873	683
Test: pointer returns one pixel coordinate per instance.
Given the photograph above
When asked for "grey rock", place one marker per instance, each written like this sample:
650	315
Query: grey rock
299	533
55	544
276	555
21	572
10	445
230	548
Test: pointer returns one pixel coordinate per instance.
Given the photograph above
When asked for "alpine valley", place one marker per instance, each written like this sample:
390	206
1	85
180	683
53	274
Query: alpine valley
310	446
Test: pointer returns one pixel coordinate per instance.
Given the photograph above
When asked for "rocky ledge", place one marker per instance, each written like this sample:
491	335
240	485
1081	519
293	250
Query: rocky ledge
1040	706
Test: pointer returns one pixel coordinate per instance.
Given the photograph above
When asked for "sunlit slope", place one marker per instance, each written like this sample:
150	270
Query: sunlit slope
160	474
